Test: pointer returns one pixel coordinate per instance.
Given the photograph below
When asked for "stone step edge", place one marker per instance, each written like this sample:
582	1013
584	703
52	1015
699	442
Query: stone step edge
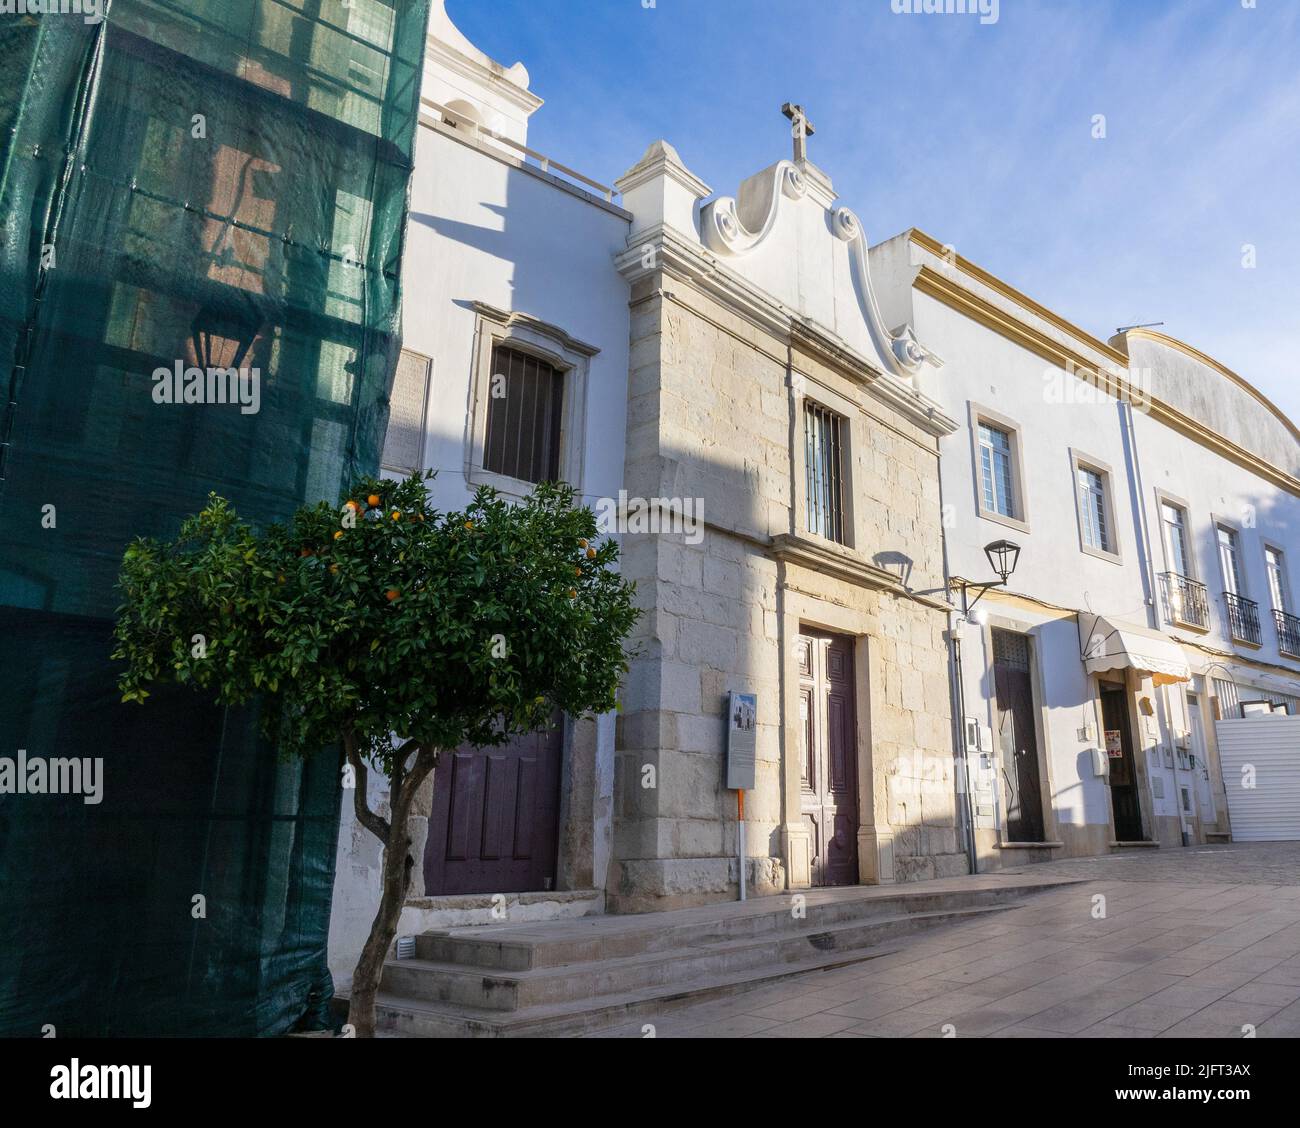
604	1011
689	951
464	934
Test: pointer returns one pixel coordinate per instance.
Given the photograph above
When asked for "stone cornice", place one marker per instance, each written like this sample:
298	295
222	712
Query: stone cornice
932	283
843	563
663	248
510	320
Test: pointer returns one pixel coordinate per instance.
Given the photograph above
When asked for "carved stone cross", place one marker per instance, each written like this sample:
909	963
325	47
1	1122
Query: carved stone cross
801	130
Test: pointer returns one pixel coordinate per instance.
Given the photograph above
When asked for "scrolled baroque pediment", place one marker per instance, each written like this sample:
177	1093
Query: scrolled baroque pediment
733	228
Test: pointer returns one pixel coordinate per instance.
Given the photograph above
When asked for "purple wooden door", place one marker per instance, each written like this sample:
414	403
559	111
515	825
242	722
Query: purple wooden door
495	820
829	756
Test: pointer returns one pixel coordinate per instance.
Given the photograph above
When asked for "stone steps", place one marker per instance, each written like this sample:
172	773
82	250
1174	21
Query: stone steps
520	948
510	990
581	976
421	1018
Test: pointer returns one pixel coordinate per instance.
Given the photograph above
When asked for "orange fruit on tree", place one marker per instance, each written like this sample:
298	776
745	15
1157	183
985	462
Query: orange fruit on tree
391	594
372	500
338	533
572	594
397	514
334	568
582	542
591	554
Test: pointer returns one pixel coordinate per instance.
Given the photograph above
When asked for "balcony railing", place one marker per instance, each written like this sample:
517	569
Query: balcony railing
1243	618
1187	602
1288	633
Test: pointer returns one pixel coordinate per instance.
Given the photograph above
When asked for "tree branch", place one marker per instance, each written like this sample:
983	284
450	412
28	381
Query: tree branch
425	760
376	824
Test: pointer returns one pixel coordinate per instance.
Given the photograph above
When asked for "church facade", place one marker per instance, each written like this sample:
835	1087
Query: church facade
803	444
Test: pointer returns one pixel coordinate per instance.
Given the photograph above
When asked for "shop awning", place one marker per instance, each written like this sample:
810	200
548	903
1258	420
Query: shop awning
1110	644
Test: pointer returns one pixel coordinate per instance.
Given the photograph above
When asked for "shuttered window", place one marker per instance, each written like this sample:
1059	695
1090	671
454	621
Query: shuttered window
525	403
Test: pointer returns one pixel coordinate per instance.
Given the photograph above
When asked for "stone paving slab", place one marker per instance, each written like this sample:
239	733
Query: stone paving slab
1197	943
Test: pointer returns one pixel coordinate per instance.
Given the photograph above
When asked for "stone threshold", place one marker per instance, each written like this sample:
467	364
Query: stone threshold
485	900
1029	846
1124	845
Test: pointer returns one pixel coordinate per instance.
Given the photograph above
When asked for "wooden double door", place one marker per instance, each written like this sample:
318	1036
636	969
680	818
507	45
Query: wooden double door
494	824
828	755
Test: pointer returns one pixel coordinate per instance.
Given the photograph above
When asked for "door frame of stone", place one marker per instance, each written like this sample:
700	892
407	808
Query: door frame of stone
1042	731
816	635
797	612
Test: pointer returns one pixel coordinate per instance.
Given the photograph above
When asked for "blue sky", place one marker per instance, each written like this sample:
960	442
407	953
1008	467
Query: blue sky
981	135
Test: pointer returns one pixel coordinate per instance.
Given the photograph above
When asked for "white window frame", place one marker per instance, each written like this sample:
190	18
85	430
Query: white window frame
1080	462
551	344
981	415
1163	499
1284	580
1241	588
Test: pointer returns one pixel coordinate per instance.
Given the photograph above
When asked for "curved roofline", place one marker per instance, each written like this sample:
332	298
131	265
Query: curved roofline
1209	361
1120	351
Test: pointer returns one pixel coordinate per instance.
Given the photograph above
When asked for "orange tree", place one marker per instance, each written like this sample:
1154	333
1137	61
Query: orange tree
386	627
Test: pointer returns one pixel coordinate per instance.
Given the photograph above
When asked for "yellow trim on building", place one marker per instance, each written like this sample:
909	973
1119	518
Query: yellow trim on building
1223	370
932	283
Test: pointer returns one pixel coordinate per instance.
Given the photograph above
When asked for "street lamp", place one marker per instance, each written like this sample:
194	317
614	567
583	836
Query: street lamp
1003	556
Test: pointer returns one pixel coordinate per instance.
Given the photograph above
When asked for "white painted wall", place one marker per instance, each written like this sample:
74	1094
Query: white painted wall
484	229
1056	412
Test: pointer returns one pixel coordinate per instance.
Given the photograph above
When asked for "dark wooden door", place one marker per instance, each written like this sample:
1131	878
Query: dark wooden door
494	825
829	756
1017	737
1122	775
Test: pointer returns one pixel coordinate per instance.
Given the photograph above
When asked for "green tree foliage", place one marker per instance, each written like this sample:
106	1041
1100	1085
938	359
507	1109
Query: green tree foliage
388	627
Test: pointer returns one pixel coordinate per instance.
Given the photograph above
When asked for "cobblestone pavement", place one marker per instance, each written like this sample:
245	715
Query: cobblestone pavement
1201	942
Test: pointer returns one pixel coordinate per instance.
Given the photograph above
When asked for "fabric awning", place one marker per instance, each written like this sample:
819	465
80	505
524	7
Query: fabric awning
1109	644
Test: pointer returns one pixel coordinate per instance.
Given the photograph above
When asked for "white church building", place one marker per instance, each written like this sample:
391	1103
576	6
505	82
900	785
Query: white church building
828	435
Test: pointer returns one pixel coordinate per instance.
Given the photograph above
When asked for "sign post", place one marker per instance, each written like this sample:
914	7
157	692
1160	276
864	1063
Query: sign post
742	718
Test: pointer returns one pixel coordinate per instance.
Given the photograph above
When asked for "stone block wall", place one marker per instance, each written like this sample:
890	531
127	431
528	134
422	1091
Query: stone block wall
711	423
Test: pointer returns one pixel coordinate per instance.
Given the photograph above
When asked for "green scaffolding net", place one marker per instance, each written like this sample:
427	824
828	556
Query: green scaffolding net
210	185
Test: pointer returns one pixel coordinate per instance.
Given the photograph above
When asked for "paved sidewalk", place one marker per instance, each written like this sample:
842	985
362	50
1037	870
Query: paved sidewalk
1201	942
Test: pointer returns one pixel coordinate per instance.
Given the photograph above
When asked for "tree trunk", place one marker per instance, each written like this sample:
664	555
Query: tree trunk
396	880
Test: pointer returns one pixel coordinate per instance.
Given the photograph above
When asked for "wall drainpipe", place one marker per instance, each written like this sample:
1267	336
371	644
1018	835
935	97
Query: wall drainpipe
957	698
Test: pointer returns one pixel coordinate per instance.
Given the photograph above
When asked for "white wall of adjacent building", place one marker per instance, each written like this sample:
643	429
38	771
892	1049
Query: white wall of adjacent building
488	228
1054	417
